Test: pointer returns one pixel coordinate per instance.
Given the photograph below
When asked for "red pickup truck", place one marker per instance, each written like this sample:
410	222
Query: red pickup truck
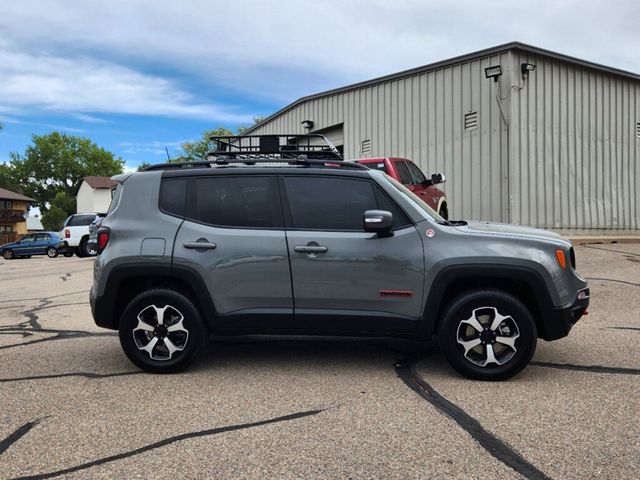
408	173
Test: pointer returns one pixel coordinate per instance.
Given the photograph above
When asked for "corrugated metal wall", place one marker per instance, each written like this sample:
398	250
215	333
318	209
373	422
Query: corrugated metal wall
422	117
574	148
567	160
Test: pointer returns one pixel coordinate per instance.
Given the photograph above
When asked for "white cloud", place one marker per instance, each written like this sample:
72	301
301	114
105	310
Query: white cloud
273	50
81	84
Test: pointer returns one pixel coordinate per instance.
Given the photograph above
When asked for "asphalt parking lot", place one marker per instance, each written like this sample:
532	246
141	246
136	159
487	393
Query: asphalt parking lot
72	405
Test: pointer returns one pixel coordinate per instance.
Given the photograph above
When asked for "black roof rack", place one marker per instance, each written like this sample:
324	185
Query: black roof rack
274	147
272	150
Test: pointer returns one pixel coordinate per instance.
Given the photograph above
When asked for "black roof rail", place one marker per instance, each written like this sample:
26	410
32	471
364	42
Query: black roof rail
300	161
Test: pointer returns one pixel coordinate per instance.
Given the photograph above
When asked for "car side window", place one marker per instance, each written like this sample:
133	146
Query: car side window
44	237
334	203
403	173
418	176
28	238
249	201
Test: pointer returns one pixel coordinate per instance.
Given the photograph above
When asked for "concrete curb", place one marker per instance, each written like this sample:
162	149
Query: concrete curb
590	239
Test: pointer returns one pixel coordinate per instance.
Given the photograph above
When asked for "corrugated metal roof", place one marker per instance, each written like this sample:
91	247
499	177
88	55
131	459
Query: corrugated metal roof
9	195
452	61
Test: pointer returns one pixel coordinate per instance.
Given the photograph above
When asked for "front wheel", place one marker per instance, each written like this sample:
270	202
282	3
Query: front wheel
7	254
161	331
487	335
52	252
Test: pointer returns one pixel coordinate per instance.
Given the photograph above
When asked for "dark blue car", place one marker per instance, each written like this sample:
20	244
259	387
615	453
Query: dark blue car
43	243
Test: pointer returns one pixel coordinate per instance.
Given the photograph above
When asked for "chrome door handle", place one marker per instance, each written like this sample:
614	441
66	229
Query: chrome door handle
310	249
200	245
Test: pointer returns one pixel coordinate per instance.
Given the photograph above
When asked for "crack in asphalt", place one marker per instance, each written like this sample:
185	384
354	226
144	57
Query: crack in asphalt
501	451
612	251
18	434
40	298
169	441
61	336
613	280
622	328
589	368
91	375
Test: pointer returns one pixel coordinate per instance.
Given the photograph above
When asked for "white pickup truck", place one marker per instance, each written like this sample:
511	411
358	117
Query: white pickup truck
75	235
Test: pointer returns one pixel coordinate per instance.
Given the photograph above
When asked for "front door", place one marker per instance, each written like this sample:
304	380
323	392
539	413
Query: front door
26	245
233	237
346	279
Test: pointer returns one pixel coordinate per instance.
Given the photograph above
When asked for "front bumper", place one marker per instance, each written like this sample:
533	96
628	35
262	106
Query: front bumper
563	319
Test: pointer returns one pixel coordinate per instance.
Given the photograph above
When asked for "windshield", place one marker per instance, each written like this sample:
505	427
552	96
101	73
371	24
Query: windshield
415	199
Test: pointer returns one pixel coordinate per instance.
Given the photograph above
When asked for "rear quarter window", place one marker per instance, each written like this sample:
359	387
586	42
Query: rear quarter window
173	194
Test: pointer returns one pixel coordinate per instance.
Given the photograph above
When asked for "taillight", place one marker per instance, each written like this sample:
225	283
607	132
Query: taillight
103	238
67	233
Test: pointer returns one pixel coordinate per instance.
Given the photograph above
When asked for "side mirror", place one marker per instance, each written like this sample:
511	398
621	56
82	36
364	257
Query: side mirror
378	221
435	179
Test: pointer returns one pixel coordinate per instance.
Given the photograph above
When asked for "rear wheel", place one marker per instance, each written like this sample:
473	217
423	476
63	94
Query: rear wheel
161	331
86	250
487	335
68	254
52	252
7	254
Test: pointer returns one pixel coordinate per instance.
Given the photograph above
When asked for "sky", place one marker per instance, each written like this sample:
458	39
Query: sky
138	76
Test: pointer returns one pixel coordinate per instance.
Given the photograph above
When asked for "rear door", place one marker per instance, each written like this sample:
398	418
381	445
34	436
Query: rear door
233	238
345	279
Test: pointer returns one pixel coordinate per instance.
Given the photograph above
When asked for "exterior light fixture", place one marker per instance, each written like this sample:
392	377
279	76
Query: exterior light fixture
493	72
525	68
308	124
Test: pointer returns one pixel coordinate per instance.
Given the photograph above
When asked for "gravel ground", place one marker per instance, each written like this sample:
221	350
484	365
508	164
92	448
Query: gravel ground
74	406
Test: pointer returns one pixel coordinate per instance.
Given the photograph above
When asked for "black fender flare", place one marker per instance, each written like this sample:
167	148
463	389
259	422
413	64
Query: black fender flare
528	274
105	308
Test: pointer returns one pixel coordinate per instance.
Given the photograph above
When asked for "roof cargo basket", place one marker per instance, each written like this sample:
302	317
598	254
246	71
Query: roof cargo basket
268	150
273	147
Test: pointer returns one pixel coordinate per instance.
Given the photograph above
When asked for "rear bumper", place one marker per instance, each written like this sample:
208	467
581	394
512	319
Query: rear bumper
102	310
560	321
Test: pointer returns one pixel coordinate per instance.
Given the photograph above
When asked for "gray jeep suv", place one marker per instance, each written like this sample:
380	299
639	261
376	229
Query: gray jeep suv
270	236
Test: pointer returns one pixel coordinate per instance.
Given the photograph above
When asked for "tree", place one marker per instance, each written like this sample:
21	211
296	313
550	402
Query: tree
7	179
62	205
198	150
143	165
58	162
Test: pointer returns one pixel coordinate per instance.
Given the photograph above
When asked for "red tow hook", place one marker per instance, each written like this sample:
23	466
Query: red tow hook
586	311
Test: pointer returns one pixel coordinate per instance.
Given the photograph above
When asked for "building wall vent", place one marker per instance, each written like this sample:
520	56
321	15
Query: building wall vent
638	130
366	147
471	121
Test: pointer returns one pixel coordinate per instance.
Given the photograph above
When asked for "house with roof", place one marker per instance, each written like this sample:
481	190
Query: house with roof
94	194
13	215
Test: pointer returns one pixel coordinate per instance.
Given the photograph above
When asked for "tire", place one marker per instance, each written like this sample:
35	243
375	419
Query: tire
87	252
79	252
7	254
482	336
148	349
444	211
68	254
52	252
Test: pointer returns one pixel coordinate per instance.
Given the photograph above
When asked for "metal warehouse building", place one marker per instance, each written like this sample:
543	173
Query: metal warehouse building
548	140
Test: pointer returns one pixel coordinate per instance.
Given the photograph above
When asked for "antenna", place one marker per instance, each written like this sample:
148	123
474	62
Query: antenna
167	150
